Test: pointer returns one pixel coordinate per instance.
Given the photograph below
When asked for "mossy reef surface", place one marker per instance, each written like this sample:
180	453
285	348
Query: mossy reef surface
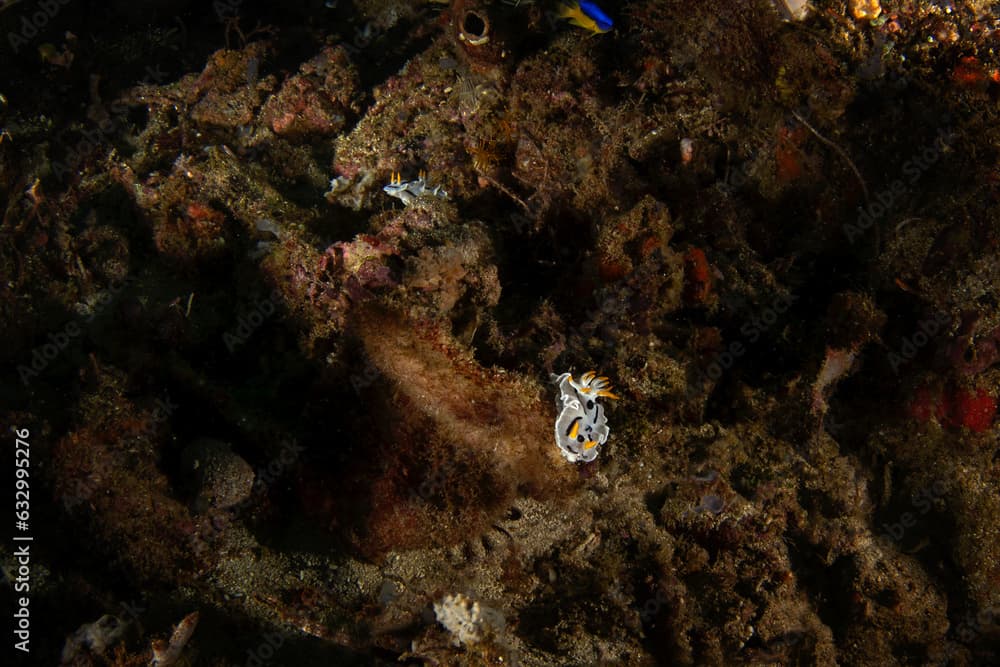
258	388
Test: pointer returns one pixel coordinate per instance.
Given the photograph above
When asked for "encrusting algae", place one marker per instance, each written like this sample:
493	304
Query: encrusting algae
482	435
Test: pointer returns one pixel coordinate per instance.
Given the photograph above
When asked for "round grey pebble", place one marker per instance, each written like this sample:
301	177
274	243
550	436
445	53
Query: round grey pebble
221	477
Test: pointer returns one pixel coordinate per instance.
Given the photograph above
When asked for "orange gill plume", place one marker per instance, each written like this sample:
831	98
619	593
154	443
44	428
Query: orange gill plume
485	155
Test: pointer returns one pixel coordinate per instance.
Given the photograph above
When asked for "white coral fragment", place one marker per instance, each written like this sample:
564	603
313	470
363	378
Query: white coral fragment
167	653
468	621
792	10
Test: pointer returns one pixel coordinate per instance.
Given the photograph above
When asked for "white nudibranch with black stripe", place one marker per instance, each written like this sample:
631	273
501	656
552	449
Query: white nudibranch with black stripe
409	191
581	426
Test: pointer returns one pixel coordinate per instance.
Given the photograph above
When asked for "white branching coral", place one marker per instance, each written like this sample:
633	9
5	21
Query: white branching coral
468	621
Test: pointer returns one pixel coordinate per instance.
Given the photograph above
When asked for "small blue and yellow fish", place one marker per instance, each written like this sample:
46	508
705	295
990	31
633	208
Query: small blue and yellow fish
587	15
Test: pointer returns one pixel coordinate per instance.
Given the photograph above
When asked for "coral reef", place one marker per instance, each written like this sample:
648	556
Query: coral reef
284	290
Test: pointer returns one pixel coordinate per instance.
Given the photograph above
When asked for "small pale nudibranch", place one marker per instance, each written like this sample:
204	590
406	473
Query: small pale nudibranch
408	191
